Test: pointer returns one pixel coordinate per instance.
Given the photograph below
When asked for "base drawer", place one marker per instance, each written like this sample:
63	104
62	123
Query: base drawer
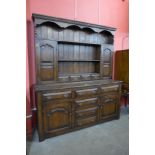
57	95
112	88
86	121
86	92
86	113
84	103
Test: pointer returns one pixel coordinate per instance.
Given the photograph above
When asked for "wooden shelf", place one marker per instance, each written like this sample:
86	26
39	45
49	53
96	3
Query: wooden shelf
78	43
79	60
78	74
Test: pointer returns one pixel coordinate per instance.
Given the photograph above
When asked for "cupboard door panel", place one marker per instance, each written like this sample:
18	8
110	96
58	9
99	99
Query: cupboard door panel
109	109
107	55
109	105
57	116
106	70
106	61
57	119
46	73
46	60
46	53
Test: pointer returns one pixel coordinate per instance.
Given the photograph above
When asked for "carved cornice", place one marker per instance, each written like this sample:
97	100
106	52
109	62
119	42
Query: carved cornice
65	23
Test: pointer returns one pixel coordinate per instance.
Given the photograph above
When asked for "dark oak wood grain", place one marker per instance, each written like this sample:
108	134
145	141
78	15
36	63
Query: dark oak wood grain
122	72
74	86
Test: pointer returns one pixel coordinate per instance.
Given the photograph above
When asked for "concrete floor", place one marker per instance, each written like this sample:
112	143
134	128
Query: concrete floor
111	138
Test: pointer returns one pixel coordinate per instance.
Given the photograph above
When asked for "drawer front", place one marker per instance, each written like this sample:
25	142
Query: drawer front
86	112
86	121
84	103
75	78
95	77
57	103
86	77
57	95
110	88
86	92
63	78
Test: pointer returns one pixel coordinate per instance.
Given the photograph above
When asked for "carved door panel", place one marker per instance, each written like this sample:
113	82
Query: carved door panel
109	105
106	61
46	60
57	116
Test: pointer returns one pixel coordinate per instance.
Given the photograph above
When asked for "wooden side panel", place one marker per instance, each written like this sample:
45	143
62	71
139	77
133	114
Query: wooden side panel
106	61
122	66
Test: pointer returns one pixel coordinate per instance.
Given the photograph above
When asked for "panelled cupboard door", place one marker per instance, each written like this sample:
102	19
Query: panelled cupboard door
106	60
57	116
109	105
46	59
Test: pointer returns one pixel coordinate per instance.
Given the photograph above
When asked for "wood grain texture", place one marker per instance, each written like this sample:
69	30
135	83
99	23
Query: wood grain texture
66	110
73	59
122	66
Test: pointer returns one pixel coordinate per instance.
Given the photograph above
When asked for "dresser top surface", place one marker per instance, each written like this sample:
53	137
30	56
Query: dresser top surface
70	85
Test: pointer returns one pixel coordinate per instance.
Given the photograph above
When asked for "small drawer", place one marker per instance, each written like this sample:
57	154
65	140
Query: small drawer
110	88
85	92
86	121
86	77
57	95
86	102
95	77
86	112
63	78
75	78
